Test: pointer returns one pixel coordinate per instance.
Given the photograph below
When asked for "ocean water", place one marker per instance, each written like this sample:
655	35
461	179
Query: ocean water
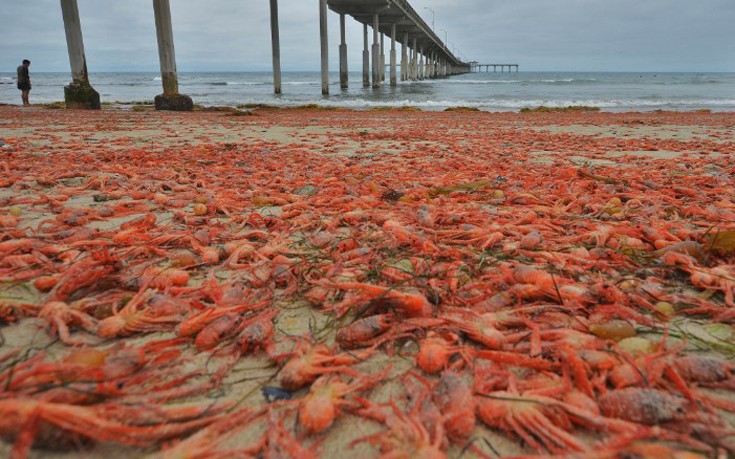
486	91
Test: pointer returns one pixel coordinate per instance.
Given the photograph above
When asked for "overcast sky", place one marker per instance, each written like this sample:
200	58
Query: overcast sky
552	35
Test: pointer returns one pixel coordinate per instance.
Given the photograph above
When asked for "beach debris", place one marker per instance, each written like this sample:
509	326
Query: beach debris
274	394
569	108
306	190
391	196
722	241
469	187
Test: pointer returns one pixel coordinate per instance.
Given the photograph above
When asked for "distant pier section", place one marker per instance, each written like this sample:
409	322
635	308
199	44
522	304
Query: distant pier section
476	67
424	54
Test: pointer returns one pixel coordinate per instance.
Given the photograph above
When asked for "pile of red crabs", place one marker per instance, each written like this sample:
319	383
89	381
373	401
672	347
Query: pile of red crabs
454	296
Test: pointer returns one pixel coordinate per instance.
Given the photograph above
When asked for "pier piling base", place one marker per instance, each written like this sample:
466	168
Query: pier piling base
174	102
80	95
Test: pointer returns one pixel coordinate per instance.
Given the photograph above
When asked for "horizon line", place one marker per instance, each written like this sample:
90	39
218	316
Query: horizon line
356	72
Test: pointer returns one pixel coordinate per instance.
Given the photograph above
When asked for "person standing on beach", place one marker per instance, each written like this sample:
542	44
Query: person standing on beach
24	82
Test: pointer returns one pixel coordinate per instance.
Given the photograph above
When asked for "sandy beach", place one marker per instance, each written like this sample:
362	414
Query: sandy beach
623	211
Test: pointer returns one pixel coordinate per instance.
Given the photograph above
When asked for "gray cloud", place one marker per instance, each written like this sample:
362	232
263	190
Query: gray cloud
604	35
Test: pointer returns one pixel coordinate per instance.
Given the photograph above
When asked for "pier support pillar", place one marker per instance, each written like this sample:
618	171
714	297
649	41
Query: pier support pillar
365	59
324	46
421	64
376	51
79	93
170	99
410	63
382	57
393	76
404	58
276	46
343	73
424	65
414	61
417	64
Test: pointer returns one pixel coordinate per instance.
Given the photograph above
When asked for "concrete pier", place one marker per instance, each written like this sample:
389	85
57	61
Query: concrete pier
170	99
79	93
423	54
276	47
343	73
411	31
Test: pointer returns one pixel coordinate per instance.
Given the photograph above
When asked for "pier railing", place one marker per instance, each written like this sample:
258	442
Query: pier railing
476	67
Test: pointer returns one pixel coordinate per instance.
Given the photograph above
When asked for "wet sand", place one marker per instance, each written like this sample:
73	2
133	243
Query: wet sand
598	142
